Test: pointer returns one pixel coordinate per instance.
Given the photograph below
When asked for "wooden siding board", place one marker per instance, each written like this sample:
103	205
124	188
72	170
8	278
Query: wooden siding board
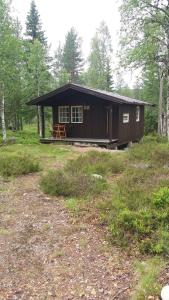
132	131
95	119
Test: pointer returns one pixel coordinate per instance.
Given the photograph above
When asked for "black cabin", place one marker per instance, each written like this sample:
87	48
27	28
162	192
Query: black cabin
87	115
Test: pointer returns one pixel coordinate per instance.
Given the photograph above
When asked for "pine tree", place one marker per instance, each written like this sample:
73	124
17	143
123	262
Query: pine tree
72	57
99	73
33	25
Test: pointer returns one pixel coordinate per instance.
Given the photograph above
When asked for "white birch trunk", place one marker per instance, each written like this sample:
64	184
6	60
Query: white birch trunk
2	112
39	111
164	125
40	121
167	108
160	110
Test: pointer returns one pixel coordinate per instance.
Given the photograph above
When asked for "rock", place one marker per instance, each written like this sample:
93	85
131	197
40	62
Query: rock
165	293
97	176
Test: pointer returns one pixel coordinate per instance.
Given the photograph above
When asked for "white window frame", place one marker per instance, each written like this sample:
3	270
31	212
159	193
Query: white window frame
76	106
137	113
59	113
126	118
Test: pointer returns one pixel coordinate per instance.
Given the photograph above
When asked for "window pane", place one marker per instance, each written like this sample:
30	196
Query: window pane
64	114
137	114
77	114
126	118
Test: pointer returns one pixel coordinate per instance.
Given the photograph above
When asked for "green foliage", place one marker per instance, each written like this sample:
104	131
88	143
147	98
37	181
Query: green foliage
61	183
72	204
78	178
153	149
143	31
99	72
148	273
27	136
161	198
72	58
95	162
138	212
16	165
33	25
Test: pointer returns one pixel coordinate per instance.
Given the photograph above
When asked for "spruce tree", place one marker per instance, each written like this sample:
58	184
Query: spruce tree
72	57
33	25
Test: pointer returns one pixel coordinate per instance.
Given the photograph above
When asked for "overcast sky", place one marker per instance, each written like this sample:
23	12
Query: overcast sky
58	16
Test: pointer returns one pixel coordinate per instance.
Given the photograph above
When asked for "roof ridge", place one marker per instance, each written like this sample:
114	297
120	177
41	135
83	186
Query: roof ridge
106	95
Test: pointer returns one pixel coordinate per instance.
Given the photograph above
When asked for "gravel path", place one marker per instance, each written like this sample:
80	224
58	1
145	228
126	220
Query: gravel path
45	255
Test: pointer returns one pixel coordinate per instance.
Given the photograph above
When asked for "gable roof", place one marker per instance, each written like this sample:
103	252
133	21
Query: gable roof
105	95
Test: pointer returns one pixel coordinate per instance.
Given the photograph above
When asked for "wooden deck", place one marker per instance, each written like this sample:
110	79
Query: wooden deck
100	142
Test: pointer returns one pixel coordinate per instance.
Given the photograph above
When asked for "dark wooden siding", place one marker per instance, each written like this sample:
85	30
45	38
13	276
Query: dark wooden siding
95	120
132	131
96	123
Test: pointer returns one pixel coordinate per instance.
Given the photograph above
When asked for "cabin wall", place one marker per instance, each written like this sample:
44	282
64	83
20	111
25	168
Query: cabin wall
95	119
132	131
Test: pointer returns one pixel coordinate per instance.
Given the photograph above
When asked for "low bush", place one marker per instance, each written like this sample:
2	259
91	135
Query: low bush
138	213
62	183
161	198
95	162
15	165
154	153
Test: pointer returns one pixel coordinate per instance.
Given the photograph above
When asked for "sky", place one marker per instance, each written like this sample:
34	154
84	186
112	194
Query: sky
58	16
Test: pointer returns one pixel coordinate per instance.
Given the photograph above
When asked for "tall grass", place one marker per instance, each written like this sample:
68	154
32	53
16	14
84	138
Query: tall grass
148	272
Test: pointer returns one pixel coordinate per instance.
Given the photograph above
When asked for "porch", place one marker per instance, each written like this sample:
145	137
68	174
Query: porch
108	143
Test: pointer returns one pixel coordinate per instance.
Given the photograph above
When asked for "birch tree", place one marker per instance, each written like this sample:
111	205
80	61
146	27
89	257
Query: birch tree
38	75
9	48
99	72
145	36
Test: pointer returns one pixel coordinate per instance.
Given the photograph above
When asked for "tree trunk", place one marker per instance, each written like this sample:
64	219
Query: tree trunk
40	121
167	108
164	126
160	110
2	112
167	65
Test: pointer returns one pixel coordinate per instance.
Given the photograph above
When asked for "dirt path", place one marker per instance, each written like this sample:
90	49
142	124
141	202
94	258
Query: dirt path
43	255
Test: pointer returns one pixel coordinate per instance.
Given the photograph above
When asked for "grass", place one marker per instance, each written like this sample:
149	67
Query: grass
57	253
4	232
95	162
28	136
148	272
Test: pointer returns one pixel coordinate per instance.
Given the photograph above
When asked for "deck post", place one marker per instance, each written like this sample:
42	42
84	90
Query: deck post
41	121
110	123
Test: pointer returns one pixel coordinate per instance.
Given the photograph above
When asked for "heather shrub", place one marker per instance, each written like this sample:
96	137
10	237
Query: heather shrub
15	165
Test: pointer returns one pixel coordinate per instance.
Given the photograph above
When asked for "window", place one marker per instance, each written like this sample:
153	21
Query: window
126	118
77	114
64	114
137	113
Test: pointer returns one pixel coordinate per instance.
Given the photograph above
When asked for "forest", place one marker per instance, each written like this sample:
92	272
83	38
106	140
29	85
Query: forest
29	69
